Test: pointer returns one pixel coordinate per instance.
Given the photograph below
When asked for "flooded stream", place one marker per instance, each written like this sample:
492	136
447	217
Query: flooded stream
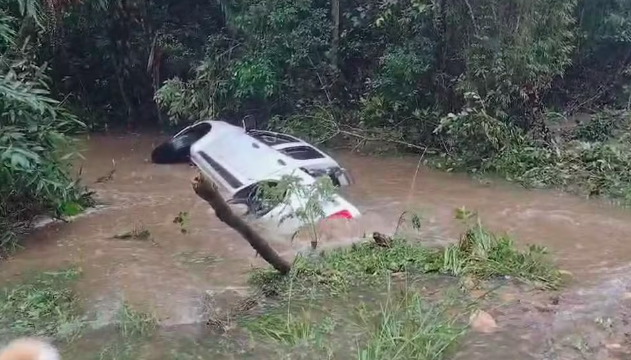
171	273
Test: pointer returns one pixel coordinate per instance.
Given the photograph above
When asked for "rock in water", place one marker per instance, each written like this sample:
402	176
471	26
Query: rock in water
482	322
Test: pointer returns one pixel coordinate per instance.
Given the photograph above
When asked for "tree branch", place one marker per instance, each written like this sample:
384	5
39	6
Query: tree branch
208	191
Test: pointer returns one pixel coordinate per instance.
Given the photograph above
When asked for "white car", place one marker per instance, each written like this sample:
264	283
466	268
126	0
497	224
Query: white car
239	161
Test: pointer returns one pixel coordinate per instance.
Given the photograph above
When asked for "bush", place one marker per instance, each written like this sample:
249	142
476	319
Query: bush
34	148
480	253
602	126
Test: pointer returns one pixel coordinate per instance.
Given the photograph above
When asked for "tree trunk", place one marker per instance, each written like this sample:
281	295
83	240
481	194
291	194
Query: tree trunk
335	41
208	191
120	39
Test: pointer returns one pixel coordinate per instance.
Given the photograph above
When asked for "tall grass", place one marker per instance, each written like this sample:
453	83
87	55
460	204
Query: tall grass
292	329
407	327
483	254
397	325
132	322
391	326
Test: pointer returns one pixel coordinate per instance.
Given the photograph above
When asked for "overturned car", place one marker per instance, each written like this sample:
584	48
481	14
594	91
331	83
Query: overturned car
241	162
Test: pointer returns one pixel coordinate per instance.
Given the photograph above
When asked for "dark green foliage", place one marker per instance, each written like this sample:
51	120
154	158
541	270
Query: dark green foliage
603	126
469	80
34	148
399	65
272	51
108	57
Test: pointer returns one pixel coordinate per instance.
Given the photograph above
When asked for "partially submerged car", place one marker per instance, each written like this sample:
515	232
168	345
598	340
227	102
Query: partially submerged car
241	162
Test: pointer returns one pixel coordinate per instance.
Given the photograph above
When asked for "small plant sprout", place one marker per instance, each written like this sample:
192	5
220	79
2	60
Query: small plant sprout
464	214
182	220
311	197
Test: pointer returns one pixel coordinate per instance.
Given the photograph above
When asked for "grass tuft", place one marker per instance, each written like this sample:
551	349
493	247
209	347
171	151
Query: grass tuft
131	322
483	254
43	306
407	327
291	329
338	270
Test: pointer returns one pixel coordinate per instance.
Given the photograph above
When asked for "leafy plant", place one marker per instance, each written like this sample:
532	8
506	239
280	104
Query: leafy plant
182	220
602	126
305	201
34	147
473	137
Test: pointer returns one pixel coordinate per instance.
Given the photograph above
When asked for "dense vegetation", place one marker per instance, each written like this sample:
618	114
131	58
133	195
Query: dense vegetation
482	83
34	147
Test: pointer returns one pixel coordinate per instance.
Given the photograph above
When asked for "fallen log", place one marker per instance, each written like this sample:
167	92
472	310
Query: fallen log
209	192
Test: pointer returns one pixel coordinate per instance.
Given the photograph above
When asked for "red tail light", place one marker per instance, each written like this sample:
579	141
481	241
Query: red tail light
344	214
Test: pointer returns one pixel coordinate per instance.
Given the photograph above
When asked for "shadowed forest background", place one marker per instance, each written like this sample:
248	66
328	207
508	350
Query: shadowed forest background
536	91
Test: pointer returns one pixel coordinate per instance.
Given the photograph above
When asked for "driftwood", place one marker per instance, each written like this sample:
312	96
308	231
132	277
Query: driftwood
208	191
382	240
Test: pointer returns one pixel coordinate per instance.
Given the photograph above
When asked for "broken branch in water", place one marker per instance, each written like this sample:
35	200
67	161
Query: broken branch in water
208	191
109	176
382	240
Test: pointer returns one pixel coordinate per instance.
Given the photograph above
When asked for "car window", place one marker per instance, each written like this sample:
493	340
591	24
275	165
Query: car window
197	131
255	200
201	129
302	153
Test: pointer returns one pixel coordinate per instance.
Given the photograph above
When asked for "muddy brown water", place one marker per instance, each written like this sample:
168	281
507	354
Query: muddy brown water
170	274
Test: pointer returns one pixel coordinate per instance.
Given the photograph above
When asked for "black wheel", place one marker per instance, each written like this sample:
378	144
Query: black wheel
175	150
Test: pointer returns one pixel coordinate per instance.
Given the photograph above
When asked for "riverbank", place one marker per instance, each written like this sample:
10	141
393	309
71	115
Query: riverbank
173	275
395	299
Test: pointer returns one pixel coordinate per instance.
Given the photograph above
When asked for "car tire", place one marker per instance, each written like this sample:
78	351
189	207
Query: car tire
174	151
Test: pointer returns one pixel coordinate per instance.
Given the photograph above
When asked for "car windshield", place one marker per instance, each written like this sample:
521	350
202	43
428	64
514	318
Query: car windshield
302	153
271	139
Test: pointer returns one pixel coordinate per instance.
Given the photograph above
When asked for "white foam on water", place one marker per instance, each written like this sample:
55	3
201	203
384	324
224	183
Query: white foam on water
42	221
